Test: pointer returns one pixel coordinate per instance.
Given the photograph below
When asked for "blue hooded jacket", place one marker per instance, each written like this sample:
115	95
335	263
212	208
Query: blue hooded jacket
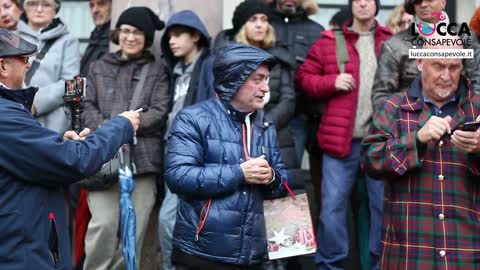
205	151
201	83
35	163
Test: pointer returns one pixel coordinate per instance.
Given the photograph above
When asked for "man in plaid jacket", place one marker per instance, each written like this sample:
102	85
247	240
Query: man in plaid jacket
431	171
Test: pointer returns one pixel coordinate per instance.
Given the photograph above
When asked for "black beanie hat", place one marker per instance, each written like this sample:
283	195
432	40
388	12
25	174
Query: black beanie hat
247	9
408	6
142	18
377	6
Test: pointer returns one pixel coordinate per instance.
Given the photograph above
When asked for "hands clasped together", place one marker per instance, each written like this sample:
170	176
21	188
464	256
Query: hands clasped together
257	171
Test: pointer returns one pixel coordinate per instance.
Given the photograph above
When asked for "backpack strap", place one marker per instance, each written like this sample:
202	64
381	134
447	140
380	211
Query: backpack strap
341	49
38	60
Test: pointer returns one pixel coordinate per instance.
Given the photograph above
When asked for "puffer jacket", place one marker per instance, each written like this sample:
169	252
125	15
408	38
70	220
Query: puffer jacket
396	71
281	107
111	83
35	163
62	62
316	78
205	150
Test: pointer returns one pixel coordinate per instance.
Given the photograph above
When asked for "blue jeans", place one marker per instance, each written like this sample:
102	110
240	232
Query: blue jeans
338	178
297	128
166	223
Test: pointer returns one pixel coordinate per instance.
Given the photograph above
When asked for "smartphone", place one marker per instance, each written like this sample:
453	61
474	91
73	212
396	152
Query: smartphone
467	126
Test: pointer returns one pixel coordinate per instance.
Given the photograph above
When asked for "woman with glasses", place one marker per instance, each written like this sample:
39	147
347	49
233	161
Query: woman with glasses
132	76
399	20
61	61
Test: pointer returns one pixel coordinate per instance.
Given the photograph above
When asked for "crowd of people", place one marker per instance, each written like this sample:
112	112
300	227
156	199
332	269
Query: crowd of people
225	127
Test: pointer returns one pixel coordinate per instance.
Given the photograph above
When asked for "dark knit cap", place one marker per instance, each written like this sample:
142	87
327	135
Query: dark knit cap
340	17
142	18
408	6
377	5
247	9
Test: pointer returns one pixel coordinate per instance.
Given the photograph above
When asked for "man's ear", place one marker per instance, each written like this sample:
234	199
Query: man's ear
419	64
3	69
444	4
196	36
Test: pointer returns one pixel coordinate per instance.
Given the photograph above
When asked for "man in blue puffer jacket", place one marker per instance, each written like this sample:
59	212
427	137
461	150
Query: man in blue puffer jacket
36	163
223	160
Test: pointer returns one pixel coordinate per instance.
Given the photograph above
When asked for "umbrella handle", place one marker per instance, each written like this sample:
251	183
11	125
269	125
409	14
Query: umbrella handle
122	159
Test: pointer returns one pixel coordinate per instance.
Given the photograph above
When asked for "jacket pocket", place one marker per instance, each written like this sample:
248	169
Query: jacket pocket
53	241
11	231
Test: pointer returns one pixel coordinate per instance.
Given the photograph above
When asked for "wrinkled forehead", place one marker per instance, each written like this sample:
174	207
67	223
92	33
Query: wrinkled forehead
444	62
261	71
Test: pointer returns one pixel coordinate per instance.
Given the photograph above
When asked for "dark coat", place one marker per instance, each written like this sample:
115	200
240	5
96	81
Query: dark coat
205	150
97	47
281	107
295	32
35	163
316	78
201	83
110	85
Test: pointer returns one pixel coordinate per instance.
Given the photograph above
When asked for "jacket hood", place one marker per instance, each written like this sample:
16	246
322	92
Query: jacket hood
184	18
54	30
345	27
233	64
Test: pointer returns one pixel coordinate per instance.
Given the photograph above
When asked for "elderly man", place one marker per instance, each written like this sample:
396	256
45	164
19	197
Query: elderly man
431	170
35	162
396	71
222	161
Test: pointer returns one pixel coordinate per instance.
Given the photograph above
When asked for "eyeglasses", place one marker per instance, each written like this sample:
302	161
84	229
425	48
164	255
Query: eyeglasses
36	4
136	33
23	59
404	23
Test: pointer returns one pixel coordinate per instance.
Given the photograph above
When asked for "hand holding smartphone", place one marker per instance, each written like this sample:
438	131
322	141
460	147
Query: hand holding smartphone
467	126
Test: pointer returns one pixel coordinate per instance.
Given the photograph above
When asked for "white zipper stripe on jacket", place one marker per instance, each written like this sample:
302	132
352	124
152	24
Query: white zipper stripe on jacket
249	133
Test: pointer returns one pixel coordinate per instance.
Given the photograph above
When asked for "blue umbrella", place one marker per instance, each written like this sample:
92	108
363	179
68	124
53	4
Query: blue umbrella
127	214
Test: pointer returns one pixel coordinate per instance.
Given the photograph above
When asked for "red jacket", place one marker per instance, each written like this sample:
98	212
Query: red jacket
316	78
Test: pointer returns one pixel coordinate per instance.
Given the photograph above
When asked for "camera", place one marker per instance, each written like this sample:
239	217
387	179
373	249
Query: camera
75	89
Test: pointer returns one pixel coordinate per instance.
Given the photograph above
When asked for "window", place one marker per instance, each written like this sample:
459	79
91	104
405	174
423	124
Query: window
76	16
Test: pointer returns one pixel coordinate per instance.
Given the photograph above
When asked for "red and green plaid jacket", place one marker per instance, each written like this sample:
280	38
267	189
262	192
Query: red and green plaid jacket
432	191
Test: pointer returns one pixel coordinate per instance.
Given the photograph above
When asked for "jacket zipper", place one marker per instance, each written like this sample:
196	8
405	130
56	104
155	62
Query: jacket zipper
53	240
